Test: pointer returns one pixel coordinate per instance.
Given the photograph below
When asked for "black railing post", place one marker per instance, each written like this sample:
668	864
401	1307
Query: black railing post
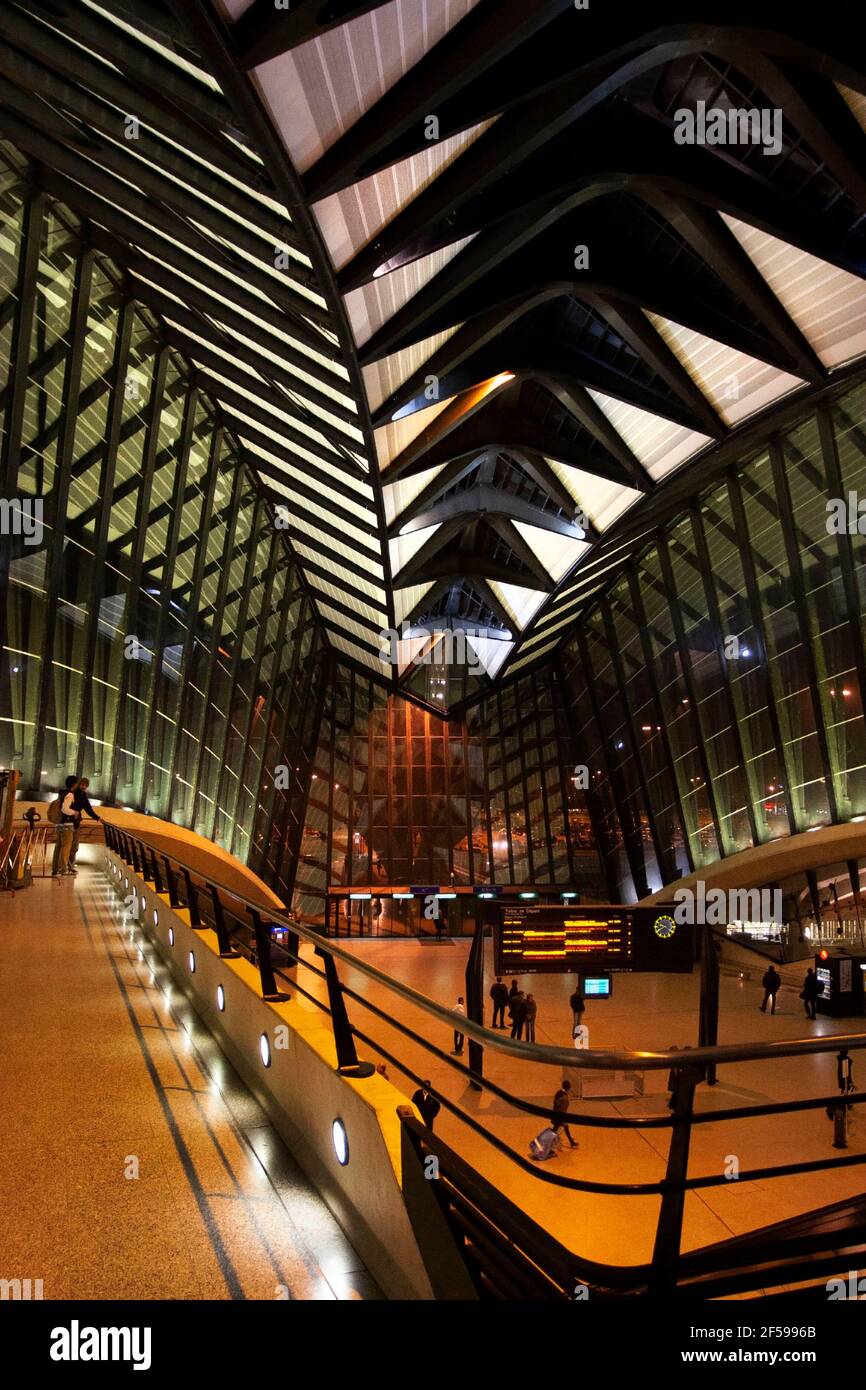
347	1056
134	856
157	876
224	939
192	900
475	995
171	882
666	1251
263	956
708	1025
123	842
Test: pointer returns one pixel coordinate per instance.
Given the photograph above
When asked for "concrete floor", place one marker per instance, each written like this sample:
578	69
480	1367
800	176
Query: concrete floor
104	1074
646	1011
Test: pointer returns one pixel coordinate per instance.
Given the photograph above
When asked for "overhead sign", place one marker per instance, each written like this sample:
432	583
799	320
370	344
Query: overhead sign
548	939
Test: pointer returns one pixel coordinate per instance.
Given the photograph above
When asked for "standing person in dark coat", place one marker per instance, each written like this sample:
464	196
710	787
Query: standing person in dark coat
771	982
531	1012
810	993
517	1013
426	1103
499	995
578	1004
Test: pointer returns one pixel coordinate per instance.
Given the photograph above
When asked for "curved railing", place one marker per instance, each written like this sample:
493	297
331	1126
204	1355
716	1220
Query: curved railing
240	929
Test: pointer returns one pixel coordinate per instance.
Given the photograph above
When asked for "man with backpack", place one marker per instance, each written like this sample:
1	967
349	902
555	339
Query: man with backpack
63	815
83	808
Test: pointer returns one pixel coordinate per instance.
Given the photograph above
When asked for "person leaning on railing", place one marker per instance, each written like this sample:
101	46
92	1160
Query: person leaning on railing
84	808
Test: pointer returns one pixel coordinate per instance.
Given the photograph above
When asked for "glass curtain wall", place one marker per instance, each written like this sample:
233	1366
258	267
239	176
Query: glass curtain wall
715	689
399	795
154	633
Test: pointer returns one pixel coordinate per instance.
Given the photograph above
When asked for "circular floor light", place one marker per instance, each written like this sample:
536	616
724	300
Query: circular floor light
155	918
221	999
171	936
265	1050
340	1140
191	959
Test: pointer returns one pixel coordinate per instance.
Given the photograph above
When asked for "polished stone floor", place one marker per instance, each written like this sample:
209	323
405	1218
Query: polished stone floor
646	1011
134	1164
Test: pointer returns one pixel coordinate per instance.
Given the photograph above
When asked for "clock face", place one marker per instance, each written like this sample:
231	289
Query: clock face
664	927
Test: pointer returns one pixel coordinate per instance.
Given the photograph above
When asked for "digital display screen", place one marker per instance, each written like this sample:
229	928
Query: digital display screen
597	987
547	939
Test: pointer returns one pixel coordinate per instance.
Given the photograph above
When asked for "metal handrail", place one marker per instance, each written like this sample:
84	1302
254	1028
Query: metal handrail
687	1065
614	1060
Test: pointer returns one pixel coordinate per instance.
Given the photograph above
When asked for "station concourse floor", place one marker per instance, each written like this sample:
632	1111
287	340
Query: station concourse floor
646	1011
102	1070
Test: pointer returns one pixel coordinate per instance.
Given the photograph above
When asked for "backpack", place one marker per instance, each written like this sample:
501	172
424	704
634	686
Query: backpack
53	812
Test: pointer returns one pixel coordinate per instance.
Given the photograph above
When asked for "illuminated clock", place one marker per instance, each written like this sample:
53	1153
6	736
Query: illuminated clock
664	927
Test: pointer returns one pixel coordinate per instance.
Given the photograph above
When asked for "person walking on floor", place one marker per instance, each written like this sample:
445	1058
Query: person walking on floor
531	1011
84	808
771	982
426	1103
578	1004
561	1102
517	1013
66	821
459	1008
810	993
499	995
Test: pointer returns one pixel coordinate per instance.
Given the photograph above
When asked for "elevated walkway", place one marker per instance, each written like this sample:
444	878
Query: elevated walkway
137	1163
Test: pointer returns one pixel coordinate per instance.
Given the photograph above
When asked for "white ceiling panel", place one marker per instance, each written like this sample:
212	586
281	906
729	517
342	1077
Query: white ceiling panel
827	304
315	93
374	304
736	384
349	220
384	377
660	444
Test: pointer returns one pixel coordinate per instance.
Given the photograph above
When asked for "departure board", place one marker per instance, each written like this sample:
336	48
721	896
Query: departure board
555	940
